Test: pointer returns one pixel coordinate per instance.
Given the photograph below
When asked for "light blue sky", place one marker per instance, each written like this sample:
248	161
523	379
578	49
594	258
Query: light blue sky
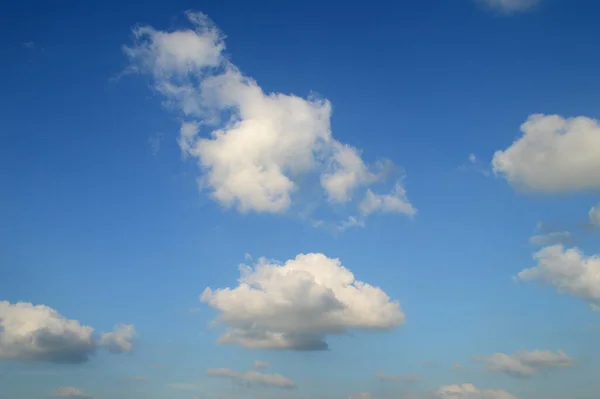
101	218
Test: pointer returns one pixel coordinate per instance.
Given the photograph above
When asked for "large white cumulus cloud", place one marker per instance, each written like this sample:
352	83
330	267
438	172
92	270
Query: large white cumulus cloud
258	144
38	333
553	155
295	305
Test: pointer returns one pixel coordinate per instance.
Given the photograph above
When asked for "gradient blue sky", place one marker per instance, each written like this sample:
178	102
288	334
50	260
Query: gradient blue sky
104	227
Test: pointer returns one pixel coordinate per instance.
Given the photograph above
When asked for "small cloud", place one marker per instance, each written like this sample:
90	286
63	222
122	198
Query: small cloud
260	364
456	366
526	364
474	165
556	237
595	308
120	340
28	44
349	223
155	142
594	216
70	392
426	362
252	377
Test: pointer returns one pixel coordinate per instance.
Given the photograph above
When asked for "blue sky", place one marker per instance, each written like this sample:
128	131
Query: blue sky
446	153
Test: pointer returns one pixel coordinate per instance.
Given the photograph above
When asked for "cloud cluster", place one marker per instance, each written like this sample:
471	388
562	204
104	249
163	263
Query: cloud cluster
295	305
253	377
259	144
568	270
469	391
526	364
511	5
70	392
38	333
553	155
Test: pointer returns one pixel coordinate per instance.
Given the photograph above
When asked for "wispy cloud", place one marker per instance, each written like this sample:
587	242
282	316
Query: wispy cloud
526	364
253	377
510	6
70	392
155	142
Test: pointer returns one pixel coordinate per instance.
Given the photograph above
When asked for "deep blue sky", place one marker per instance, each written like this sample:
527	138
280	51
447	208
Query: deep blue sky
96	226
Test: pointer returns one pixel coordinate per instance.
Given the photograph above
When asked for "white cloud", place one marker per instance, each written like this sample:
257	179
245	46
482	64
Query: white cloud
553	155
555	237
70	392
469	391
568	270
296	304
457	366
595	308
260	143
120	340
260	364
526	364
155	142
511	5
253	377
595	215
31	333
388	203
381	376
347	172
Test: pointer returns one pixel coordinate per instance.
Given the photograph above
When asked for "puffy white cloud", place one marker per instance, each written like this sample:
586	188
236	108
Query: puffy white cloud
469	391
511	5
120	340
526	364
253	377
38	333
595	215
296	304
568	270
259	144
70	392
553	155
396	202
381	376
260	364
